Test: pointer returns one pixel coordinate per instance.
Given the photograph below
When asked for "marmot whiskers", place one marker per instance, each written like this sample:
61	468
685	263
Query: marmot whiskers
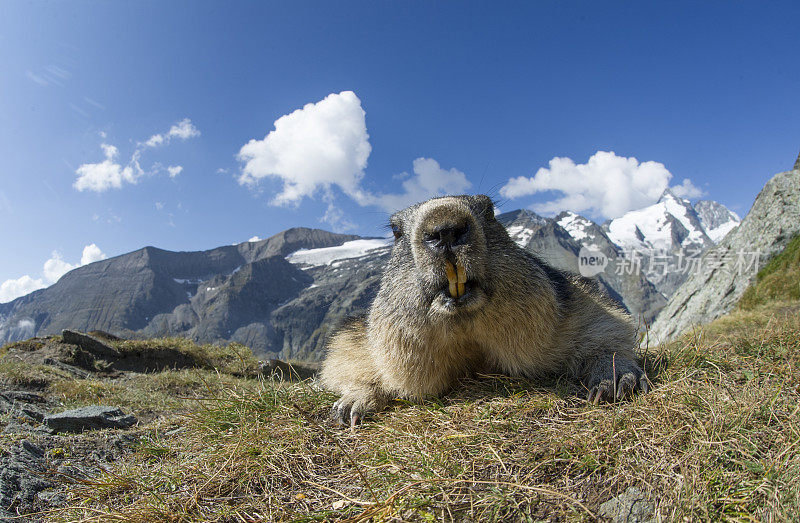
458	296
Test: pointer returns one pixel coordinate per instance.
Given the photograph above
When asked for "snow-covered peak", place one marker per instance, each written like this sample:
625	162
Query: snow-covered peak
576	225
327	255
668	195
668	224
717	219
521	225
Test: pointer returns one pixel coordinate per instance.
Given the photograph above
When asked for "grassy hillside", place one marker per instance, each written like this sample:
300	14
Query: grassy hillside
718	437
778	280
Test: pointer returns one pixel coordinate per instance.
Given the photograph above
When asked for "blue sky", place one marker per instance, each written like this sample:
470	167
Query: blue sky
409	99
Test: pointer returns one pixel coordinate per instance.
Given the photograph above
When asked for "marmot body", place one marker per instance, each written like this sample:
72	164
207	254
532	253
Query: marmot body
458	296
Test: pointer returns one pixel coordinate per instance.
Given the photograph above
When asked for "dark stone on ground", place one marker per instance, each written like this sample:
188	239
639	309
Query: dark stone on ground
87	418
89	343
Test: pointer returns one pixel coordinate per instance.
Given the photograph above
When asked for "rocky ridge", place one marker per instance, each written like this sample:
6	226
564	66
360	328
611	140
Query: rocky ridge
727	270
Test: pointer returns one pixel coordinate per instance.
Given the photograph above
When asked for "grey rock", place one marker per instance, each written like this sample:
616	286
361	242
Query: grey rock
23	396
709	293
88	418
76	372
632	506
22	405
22	477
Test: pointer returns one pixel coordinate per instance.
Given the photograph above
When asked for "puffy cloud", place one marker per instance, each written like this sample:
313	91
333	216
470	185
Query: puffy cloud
91	254
108	174
53	269
607	185
322	145
254	239
182	130
326	145
686	189
13	289
429	180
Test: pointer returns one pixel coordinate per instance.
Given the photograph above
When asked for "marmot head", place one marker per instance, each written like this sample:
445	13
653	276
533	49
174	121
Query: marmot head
441	247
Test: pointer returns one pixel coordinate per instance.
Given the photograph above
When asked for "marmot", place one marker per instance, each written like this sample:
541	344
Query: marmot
458	296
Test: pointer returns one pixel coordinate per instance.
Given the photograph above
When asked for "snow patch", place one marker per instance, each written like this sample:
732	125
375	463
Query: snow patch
575	225
520	234
189	281
720	232
328	255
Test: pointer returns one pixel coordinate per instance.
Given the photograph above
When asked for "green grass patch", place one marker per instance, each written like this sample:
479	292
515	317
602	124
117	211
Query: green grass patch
779	280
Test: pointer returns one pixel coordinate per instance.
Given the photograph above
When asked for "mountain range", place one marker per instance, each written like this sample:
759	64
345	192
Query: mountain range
282	296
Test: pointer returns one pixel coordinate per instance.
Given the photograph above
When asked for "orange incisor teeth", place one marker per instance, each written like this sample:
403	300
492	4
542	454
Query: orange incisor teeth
462	278
456	278
451	278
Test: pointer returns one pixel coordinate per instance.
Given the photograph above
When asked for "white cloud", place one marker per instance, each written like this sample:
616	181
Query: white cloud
25	324
91	254
13	289
607	185
322	145
53	269
159	206
326	145
336	218
105	175
429	180
254	239
109	174
182	130
686	189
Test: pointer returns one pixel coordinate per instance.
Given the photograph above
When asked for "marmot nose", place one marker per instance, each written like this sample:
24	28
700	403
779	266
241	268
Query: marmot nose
447	237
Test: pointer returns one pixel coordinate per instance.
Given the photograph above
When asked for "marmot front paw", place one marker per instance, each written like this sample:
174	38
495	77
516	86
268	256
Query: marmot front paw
355	406
612	381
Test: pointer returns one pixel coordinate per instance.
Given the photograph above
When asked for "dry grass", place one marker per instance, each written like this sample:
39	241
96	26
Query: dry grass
717	438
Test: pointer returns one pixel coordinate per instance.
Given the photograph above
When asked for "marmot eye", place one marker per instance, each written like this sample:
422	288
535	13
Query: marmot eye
396	231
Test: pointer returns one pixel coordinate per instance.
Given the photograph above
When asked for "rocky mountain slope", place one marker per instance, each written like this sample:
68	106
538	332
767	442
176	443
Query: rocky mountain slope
728	269
206	295
282	296
559	242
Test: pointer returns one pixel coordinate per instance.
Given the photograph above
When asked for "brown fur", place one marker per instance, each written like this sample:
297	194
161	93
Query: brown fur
520	318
